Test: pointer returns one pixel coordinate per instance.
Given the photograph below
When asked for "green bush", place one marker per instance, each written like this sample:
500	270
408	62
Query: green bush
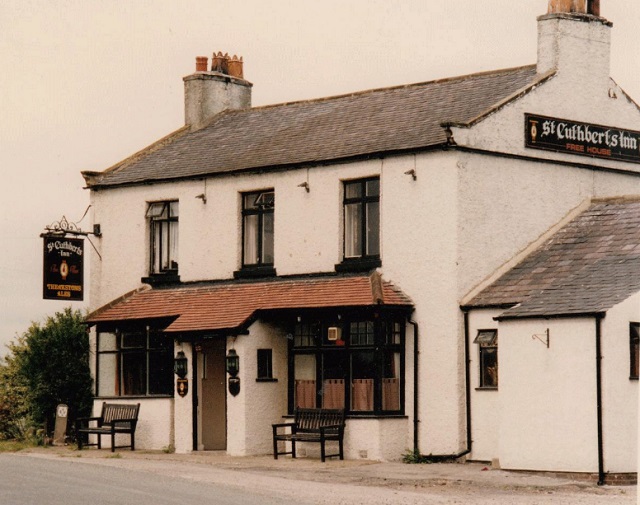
46	366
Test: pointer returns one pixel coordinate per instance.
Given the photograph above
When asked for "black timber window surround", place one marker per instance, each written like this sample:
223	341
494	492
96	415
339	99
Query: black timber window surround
357	365
257	233
163	227
361	224
134	363
634	345
487	341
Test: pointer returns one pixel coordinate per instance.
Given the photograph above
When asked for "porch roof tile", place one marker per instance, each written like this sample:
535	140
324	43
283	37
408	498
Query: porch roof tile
233	304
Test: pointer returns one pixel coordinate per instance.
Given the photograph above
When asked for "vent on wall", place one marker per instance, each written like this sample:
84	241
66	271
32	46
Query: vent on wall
334	333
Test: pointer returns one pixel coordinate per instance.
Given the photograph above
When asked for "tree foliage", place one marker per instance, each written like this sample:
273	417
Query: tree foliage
46	366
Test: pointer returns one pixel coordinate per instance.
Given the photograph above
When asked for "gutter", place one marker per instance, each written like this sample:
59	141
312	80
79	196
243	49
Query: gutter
601	473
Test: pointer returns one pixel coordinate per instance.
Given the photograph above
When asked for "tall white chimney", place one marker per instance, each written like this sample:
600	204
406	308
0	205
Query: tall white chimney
574	39
209	91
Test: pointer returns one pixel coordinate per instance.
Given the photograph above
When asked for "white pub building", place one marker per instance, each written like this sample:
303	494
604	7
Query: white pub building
455	263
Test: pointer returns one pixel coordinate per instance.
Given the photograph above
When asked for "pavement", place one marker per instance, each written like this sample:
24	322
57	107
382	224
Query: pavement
454	479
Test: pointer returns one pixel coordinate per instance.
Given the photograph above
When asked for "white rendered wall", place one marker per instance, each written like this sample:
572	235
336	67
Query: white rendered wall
251	413
183	410
155	423
485	406
619	393
548	396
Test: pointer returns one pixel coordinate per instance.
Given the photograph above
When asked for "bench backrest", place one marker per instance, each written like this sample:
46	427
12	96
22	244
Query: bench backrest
119	411
314	419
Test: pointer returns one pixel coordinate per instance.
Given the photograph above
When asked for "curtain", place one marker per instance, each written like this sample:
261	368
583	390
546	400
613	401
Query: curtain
333	394
362	394
306	394
390	394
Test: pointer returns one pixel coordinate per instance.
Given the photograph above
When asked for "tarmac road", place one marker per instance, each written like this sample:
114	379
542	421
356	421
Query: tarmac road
70	477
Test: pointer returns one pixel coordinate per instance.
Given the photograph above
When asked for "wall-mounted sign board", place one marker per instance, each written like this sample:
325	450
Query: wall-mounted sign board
584	139
63	268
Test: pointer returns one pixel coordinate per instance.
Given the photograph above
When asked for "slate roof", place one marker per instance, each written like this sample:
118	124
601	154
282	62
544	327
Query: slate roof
368	123
587	267
234	304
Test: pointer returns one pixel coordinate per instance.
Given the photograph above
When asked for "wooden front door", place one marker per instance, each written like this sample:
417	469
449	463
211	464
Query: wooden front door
213	404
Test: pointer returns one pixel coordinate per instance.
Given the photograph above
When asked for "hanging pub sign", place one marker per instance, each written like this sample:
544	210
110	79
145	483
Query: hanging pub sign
63	268
561	135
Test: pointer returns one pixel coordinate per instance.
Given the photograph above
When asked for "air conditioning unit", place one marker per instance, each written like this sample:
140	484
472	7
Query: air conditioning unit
334	333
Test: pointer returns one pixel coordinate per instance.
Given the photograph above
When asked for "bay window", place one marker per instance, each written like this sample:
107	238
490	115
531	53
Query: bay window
356	365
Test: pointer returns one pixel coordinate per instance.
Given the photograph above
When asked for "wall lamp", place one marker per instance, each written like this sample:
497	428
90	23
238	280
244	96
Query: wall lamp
412	173
180	364
233	368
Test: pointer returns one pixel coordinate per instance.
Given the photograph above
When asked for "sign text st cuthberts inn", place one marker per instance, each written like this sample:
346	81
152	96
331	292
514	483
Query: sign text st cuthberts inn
584	139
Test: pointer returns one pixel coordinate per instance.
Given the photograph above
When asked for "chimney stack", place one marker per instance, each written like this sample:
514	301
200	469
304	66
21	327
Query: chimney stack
209	92
575	41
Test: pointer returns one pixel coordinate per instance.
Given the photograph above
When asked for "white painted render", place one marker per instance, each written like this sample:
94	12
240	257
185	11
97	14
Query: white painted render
547	396
443	234
619	393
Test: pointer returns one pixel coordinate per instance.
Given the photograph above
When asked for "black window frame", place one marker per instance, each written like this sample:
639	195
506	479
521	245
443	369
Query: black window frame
634	351
264	368
388	338
156	344
165	217
487	341
266	207
362	260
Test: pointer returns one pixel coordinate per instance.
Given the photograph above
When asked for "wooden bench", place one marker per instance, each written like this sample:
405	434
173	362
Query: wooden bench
115	419
311	425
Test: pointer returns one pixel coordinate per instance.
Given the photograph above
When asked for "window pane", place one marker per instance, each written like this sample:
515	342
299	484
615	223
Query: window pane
173	209
488	367
333	374
353	190
164	252
156	247
267	238
362	333
160	373
133	340
305	381
265	366
156	210
250	239
363	372
373	229
134	371
305	334
173	245
108	375
391	381
108	342
352	230
250	201
373	187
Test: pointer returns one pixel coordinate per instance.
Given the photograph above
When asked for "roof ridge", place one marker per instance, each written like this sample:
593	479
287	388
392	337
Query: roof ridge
443	80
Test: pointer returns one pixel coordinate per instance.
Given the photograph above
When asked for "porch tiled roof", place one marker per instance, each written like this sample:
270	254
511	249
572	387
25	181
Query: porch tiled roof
587	267
231	305
317	131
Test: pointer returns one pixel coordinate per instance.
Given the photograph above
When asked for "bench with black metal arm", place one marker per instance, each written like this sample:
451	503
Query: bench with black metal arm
115	419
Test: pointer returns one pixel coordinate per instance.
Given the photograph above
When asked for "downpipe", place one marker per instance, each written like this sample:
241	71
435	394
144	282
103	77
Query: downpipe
601	474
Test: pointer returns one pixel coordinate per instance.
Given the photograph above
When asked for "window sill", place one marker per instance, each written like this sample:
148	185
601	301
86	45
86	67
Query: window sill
391	415
358	264
632	378
135	397
254	272
161	279
266	379
486	388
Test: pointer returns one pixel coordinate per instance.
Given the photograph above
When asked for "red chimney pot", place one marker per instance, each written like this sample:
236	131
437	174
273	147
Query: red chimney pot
201	63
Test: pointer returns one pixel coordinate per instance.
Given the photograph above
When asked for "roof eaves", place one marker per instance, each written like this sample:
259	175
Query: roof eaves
551	315
112	303
92	179
541	79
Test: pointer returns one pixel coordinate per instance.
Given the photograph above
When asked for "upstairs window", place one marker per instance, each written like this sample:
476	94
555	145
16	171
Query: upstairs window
163	222
361	215
634	343
257	228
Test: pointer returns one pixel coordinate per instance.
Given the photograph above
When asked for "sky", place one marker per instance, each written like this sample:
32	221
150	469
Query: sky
86	83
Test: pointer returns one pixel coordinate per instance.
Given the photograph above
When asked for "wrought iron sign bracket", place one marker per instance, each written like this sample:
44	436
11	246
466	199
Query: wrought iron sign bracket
544	338
65	227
